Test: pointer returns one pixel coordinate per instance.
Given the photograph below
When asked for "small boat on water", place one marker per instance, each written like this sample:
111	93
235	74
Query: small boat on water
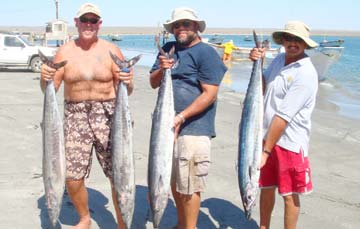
114	37
247	38
335	43
216	39
322	57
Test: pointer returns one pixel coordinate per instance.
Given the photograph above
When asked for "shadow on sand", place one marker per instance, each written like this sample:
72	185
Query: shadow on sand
227	215
224	212
98	205
103	217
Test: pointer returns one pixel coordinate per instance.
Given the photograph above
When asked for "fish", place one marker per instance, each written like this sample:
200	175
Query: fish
250	138
123	165
161	146
50	63
53	161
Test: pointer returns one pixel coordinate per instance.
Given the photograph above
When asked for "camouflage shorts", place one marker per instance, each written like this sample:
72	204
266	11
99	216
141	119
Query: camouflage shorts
86	126
191	164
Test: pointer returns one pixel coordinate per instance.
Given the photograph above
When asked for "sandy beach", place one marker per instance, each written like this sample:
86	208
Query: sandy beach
334	156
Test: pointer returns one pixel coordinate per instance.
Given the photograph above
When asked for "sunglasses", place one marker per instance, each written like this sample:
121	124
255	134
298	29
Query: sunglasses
290	38
92	20
185	24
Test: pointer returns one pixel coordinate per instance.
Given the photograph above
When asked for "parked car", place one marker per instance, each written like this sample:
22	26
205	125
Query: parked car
16	51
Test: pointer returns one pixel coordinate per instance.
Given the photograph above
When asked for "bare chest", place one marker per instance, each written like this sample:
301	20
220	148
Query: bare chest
87	66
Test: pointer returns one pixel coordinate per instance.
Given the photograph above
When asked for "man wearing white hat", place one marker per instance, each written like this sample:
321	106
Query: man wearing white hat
89	77
197	71
291	85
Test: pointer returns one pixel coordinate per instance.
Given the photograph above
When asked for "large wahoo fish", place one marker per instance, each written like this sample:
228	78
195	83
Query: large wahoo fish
250	138
54	167
122	147
161	146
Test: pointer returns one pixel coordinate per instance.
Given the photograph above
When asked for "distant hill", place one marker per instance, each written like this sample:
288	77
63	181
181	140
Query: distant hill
154	30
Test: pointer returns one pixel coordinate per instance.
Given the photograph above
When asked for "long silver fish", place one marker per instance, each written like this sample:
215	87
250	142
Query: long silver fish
161	147
250	138
122	147
54	167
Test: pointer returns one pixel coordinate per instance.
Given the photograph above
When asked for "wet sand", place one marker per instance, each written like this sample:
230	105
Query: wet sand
334	156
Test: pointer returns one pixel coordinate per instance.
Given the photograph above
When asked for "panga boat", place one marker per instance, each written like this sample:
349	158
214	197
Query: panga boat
216	39
321	57
114	37
336	43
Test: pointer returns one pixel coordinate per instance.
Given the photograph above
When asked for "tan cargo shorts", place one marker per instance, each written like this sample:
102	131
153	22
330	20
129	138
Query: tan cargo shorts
191	164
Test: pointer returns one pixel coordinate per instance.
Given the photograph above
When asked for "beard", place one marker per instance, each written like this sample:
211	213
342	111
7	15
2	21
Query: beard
187	40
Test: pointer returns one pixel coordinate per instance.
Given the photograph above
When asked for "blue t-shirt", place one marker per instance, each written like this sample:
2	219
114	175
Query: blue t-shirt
199	63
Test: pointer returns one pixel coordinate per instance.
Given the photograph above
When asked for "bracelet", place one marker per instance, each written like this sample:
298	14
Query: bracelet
181	117
267	152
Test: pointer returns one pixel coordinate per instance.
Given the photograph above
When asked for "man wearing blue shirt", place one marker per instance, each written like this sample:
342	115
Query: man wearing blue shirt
196	77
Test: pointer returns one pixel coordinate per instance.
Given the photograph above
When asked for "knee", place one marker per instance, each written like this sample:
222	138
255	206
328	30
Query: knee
292	200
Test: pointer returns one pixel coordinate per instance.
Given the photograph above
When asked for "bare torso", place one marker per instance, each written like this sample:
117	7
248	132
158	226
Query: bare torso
88	74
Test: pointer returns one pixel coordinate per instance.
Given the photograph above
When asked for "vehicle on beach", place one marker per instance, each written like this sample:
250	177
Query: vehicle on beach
16	51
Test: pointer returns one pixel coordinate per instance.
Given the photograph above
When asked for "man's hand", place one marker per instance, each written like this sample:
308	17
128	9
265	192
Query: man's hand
257	53
47	73
165	62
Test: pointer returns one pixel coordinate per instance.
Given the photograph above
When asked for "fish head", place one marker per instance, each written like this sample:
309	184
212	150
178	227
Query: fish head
249	199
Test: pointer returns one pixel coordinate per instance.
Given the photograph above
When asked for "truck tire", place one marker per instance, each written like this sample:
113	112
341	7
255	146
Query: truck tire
35	64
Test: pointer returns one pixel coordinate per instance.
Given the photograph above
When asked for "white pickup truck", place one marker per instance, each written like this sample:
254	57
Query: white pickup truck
16	51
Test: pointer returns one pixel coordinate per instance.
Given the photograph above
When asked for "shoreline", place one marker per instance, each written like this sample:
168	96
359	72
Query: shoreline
333	156
136	30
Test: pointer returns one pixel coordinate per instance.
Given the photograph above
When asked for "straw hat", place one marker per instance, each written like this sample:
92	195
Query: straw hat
184	13
88	8
298	29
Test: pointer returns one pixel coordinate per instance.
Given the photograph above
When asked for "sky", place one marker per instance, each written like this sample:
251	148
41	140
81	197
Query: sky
317	14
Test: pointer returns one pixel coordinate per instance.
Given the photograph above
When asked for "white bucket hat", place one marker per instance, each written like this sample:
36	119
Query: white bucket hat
298	29
184	13
88	8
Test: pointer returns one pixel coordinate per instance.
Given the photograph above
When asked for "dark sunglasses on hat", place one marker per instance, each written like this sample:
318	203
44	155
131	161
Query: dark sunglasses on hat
92	20
291	38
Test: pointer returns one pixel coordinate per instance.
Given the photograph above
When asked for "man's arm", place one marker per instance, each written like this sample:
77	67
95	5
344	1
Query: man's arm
157	75
276	129
125	77
47	73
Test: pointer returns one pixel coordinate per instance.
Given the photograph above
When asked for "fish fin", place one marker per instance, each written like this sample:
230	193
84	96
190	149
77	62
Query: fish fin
60	64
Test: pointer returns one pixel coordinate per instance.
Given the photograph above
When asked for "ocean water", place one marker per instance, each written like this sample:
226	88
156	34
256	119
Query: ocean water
341	88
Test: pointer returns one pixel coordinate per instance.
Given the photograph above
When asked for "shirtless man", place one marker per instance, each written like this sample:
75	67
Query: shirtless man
90	78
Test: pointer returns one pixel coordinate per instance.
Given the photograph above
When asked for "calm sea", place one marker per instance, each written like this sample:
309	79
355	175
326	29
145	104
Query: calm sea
341	88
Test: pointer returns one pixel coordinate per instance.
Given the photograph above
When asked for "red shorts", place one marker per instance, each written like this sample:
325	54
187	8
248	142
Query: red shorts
288	171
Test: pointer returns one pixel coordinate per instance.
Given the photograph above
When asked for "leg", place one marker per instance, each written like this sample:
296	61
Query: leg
121	224
179	207
267	201
292	209
191	205
191	169
79	197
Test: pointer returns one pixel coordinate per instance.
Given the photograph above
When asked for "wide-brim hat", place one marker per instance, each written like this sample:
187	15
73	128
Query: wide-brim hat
184	13
298	29
88	8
